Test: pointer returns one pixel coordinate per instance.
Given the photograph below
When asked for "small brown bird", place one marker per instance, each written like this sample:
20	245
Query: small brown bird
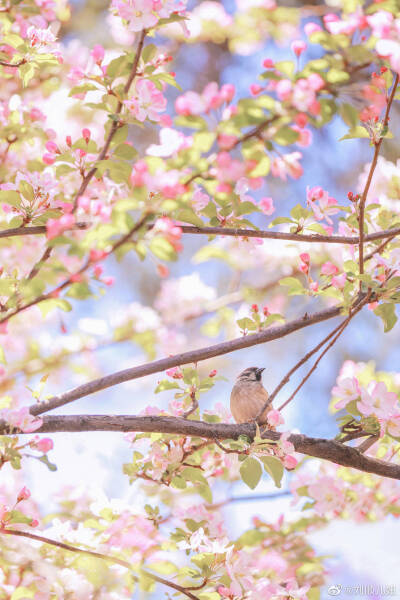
248	396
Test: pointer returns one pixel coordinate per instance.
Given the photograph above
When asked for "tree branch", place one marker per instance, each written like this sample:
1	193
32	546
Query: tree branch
330	450
293	237
116	123
106	557
193	356
35	230
369	179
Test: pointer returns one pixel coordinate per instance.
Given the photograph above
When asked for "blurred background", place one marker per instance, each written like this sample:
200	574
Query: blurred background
357	554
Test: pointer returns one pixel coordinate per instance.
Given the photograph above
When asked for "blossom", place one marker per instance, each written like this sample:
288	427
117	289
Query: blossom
298	47
267	206
347	389
329	268
287	164
21	419
274	418
321	203
55	227
139	13
148	103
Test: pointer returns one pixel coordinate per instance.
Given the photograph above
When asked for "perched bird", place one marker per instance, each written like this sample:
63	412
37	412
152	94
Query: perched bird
248	396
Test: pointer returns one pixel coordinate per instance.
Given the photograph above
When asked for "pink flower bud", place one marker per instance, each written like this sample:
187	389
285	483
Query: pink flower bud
305	257
86	134
24	494
34	523
290	462
255	89
44	445
254	308
268	63
52	146
213	373
97	53
48	159
298	47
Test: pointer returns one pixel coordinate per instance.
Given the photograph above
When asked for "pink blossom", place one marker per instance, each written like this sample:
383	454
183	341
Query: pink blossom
139	13
298	47
21	419
267	206
97	53
54	227
174	372
339	281
329	268
321	203
310	28
40	37
200	199
274	418
347	389
148	103
288	164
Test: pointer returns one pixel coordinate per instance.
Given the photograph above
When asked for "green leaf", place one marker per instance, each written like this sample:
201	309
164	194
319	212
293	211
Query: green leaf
10	197
165	384
163	249
149	53
251	472
387	313
51	466
125	151
286	136
246	323
355	132
48	305
295	286
273	467
262	167
337	76
22	593
26	71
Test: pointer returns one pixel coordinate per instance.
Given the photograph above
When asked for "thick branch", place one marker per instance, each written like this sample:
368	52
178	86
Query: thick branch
330	450
293	237
233	232
34	230
193	356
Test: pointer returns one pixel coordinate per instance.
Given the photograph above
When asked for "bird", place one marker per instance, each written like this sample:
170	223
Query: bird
248	396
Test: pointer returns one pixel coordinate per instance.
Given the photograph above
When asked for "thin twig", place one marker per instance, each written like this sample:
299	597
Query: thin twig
288	375
115	124
118	561
332	342
36	268
369	179
67	282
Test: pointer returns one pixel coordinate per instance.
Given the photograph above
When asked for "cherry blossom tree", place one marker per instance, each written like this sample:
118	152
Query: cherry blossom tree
106	154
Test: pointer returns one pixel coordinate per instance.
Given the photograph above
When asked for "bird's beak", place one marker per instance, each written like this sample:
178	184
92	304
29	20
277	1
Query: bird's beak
259	371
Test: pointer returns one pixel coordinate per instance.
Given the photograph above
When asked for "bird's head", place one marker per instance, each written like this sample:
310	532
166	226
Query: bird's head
250	374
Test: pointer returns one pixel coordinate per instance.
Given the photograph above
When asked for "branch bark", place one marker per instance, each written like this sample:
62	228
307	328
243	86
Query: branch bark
293	237
330	450
193	356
